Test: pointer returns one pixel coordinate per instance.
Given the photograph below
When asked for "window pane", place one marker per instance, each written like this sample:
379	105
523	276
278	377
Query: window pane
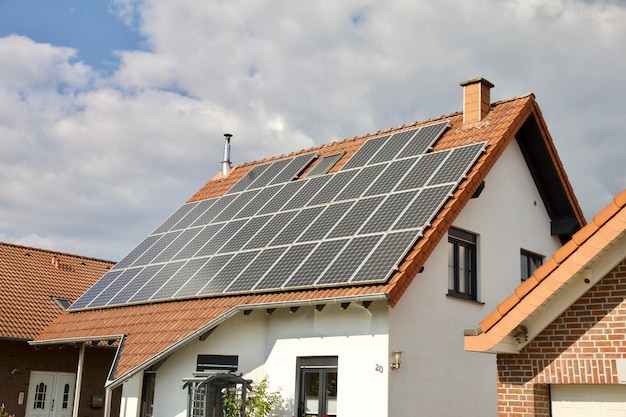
524	266
311	393
331	394
451	246
462	270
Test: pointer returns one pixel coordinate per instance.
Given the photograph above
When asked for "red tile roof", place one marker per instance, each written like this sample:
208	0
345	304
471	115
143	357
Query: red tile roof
153	329
534	294
30	277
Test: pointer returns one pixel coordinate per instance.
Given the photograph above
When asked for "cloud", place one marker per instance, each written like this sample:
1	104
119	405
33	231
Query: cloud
91	163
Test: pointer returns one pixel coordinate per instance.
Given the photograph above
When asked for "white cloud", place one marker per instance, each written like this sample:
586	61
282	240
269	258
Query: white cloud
91	163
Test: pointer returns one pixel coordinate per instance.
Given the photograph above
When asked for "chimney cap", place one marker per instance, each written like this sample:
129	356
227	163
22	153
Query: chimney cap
476	80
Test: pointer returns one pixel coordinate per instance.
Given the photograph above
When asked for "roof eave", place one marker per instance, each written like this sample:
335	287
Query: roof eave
114	383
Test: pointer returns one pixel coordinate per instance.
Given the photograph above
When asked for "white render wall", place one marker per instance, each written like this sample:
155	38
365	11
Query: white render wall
437	377
269	345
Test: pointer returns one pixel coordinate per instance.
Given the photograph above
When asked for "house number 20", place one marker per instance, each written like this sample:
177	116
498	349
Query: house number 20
379	368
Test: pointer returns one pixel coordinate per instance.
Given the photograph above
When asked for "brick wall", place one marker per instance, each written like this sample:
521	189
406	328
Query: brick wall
18	359
580	347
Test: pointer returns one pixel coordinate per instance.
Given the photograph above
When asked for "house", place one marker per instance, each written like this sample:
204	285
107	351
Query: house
559	337
36	286
342	273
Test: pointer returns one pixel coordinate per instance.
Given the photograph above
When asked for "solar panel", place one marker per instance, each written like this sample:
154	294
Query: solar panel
361	182
258	201
155	249
296	226
321	257
422	171
306	193
390	177
365	153
269	232
332	187
388	212
390	150
193	214
135	284
354	219
84	300
457	164
350	259
175	218
256	270
182	282
249	178
293	169
384	259
214	210
153	285
423	139
137	252
282	270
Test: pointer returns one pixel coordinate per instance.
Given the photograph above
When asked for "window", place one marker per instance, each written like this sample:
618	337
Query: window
147	394
462	279
324	164
529	263
62	302
317	382
40	396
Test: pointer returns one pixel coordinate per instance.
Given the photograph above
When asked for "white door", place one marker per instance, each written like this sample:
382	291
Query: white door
50	394
588	400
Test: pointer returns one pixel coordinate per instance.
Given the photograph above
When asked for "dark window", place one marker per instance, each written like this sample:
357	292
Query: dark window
529	263
324	164
317	382
147	394
462	279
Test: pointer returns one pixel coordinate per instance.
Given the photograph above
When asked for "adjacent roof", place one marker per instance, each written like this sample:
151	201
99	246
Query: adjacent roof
573	269
30	278
153	330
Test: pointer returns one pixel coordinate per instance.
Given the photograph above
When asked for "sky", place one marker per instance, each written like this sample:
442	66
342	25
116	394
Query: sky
112	113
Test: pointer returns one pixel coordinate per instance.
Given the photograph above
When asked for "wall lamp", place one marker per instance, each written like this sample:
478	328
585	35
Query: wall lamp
396	359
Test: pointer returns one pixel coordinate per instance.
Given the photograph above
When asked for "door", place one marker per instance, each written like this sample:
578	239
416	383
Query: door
588	400
50	394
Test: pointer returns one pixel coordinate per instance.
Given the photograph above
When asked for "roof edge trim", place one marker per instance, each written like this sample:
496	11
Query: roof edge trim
71	340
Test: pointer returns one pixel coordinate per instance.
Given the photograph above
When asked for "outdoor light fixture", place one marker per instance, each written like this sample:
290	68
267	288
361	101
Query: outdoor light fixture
396	359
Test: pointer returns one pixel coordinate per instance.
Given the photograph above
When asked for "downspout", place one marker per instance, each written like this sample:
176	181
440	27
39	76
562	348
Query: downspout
107	402
79	379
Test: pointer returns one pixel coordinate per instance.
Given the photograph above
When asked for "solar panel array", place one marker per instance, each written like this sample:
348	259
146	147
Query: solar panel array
272	233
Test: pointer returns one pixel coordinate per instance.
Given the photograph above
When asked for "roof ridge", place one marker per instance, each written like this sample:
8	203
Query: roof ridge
373	134
32	248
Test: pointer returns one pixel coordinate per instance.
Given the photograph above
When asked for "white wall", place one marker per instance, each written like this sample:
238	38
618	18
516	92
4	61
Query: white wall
270	344
437	377
131	394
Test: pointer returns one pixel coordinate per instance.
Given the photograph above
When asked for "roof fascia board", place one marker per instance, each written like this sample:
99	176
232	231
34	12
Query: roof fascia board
112	384
74	340
559	295
556	160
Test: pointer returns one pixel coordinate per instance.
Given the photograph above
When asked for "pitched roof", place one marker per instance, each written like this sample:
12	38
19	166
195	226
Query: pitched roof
573	269
30	277
153	329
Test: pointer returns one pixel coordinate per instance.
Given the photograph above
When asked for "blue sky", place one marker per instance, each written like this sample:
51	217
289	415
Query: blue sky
88	26
112	113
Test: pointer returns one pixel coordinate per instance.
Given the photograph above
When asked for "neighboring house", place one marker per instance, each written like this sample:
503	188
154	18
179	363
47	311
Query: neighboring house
343	273
36	286
560	338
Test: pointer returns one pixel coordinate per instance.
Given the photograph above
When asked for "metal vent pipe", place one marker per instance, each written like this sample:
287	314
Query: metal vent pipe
226	161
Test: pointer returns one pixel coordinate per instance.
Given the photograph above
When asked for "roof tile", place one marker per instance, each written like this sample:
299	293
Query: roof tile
169	322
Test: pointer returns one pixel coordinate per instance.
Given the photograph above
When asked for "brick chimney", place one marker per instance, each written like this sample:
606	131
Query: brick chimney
476	99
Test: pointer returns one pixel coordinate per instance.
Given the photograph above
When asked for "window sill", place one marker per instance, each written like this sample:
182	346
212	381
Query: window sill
463	297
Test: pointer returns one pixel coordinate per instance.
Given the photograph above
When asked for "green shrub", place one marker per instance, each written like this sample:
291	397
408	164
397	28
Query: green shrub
259	402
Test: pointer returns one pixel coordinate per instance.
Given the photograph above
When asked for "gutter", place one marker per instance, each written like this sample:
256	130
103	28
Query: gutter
112	384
